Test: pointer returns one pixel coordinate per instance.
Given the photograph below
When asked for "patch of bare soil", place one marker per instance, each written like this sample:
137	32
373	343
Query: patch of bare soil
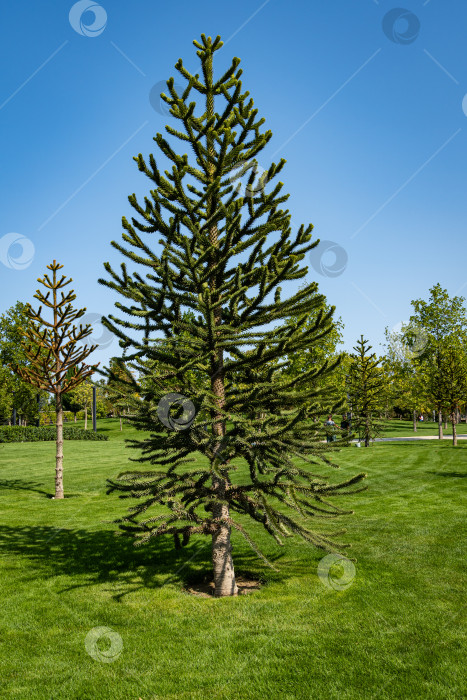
206	590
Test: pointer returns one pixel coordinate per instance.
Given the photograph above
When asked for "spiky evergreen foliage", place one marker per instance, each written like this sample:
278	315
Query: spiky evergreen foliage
119	390
214	290
366	384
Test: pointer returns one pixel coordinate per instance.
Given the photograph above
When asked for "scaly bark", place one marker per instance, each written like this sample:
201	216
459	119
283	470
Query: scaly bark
222	563
59	454
58	402
454	429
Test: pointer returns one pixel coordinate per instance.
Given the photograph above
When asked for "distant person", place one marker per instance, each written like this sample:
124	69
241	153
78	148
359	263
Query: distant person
331	426
344	423
421	419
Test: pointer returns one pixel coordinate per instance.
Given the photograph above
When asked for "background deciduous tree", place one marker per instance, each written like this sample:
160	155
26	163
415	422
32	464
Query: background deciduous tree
82	395
120	389
401	364
16	393
436	322
324	350
451	383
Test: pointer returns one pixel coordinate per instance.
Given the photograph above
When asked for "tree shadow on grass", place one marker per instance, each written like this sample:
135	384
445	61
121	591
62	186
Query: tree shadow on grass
459	475
23	485
101	556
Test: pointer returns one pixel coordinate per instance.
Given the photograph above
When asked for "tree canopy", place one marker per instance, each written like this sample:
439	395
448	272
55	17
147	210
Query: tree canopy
225	253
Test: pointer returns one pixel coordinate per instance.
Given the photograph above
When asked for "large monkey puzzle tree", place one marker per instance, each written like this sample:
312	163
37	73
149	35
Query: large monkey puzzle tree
54	358
226	247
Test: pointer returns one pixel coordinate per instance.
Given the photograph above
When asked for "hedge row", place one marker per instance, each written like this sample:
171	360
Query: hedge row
49	417
29	433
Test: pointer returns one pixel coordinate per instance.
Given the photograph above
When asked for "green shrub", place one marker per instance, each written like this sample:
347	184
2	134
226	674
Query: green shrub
16	433
48	417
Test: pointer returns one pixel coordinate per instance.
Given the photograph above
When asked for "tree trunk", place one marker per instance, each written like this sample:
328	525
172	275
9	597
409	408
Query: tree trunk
222	563
414	416
121	427
76	417
454	431
224	575
86	418
445	422
367	433
440	425
59	456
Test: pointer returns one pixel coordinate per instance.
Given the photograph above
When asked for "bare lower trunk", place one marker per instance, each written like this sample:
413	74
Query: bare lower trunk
454	430
85	418
224	575
222	563
366	433
440	426
414	418
445	422
76	417
59	456
121	427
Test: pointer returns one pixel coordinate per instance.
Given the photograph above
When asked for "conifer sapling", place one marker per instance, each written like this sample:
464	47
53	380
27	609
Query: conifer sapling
55	360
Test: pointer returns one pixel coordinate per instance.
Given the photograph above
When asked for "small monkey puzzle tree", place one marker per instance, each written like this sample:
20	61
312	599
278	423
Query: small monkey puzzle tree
365	385
54	358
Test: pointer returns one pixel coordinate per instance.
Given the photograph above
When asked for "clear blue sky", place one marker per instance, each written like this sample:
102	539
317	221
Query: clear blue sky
371	123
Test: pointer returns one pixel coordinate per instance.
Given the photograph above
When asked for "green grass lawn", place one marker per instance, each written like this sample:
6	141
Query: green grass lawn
404	428
392	428
396	631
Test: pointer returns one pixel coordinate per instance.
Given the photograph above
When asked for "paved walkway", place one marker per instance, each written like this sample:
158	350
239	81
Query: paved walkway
409	439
